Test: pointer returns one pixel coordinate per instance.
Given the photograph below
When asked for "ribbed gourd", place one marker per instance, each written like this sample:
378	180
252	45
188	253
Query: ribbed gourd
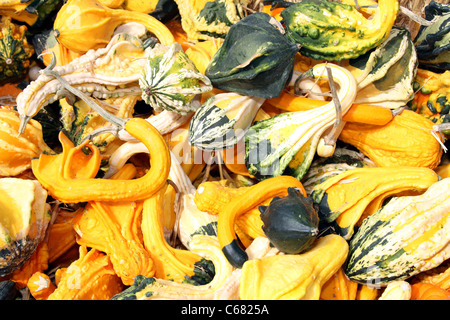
32	12
170	80
334	31
23	222
15	51
407	236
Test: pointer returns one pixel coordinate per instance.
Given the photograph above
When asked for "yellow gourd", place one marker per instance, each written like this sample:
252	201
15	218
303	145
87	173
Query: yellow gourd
81	25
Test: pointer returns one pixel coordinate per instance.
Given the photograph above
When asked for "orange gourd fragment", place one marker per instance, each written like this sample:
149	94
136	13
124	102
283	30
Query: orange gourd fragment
428	291
40	286
91	277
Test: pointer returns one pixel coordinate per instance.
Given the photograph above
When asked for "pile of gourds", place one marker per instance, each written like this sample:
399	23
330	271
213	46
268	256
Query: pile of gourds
229	150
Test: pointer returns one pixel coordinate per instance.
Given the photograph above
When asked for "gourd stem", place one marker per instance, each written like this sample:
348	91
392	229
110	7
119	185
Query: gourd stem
331	137
441	126
89	101
111	129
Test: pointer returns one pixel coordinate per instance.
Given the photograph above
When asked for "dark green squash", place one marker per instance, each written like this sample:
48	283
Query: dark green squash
433	42
291	223
255	59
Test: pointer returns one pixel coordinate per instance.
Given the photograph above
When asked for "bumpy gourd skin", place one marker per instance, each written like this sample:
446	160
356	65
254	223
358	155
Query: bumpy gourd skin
334	31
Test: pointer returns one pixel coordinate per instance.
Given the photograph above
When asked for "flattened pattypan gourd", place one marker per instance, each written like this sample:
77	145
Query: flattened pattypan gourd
335	31
171	81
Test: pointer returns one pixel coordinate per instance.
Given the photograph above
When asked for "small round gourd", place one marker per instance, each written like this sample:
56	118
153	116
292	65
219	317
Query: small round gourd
291	223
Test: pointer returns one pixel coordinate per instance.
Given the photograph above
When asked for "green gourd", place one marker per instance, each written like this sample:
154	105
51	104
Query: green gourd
291	223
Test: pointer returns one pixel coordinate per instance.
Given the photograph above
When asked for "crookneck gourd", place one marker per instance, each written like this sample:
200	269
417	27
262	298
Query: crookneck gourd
81	25
334	31
345	197
286	143
223	120
293	276
170	80
255	58
412	141
406	236
242	203
15	52
114	228
23	222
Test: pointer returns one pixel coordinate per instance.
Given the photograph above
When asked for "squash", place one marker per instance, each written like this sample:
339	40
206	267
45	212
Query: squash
61	235
293	276
18	151
90	277
34	13
385	75
170	80
255	59
170	263
204	20
396	290
291	223
432	41
345	197
319	27
23	222
223	120
339	287
439	276
342	160
286	143
81	25
114	228
432	97
428	291
15	53
411	141
405	237
252	197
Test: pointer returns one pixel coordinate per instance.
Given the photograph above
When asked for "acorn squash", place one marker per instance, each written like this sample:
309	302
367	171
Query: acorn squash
255	58
291	223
